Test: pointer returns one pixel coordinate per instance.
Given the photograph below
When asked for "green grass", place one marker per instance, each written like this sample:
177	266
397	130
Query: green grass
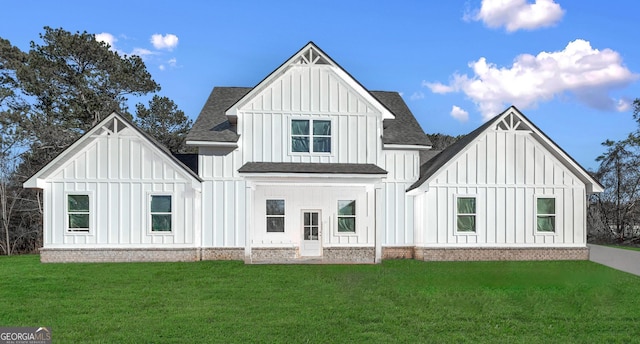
395	302
632	248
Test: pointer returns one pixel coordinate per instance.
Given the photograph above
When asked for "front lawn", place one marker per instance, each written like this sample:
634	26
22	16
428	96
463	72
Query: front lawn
398	301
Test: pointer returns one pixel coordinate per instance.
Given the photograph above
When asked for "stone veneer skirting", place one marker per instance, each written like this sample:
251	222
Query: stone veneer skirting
482	254
349	255
96	255
331	255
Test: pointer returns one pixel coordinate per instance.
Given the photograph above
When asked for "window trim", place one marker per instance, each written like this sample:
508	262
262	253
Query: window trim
150	213
311	136
283	216
555	215
456	214
92	212
354	216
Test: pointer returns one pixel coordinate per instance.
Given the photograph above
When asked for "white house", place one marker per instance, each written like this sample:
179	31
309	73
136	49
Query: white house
310	165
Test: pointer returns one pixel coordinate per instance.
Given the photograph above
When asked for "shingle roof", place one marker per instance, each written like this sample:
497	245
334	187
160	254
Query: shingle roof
404	129
286	167
212	124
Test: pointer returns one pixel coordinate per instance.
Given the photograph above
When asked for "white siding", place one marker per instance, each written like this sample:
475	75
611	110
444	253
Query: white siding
119	172
309	92
322	198
505	170
264	122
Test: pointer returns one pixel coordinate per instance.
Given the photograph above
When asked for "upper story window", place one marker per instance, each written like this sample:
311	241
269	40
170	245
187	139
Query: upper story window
310	136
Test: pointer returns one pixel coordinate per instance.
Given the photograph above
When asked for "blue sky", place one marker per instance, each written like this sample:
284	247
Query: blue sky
572	67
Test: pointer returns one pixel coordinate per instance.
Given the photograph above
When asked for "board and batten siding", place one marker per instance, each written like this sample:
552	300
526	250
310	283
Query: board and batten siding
403	169
317	92
119	172
317	198
309	92
505	171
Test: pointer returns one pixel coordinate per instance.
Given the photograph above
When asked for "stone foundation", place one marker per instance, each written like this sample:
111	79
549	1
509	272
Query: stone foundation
398	252
272	254
222	253
82	255
486	254
290	255
348	255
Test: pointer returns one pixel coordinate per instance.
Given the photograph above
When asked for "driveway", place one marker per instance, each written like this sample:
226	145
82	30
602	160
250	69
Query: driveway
620	259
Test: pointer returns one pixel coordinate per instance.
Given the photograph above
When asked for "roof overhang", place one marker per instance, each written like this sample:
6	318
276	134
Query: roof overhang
212	144
392	146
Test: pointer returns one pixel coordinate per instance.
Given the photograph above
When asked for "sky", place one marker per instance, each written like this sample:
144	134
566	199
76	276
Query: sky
572	67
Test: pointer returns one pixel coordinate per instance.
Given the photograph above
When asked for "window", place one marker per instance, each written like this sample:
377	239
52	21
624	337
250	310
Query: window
78	211
275	215
546	214
161	213
466	214
311	136
346	216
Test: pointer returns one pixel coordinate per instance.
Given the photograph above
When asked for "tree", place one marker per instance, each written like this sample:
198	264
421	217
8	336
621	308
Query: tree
442	141
165	122
12	108
615	213
74	81
49	96
618	206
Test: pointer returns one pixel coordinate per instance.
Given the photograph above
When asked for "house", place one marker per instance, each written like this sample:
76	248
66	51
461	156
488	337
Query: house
310	165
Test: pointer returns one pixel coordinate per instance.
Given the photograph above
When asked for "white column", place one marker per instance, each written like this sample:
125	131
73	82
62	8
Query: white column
248	221
379	221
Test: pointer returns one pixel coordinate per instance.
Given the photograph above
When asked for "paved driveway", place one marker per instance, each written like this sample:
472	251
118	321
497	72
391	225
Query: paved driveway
623	260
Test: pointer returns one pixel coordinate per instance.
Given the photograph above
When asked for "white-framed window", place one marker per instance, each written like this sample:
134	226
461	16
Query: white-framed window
160	213
78	208
545	214
311	136
466	214
346	216
275	215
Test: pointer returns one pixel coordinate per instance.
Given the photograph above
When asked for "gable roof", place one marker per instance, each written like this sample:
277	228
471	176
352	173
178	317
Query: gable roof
212	127
78	145
310	51
436	163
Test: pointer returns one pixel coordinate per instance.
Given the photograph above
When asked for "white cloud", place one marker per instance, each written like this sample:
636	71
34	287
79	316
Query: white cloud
459	114
142	52
517	14
417	96
162	67
172	62
586	73
438	87
107	38
168	41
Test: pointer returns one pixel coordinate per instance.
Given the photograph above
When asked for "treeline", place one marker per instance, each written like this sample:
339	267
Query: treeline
614	215
49	96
